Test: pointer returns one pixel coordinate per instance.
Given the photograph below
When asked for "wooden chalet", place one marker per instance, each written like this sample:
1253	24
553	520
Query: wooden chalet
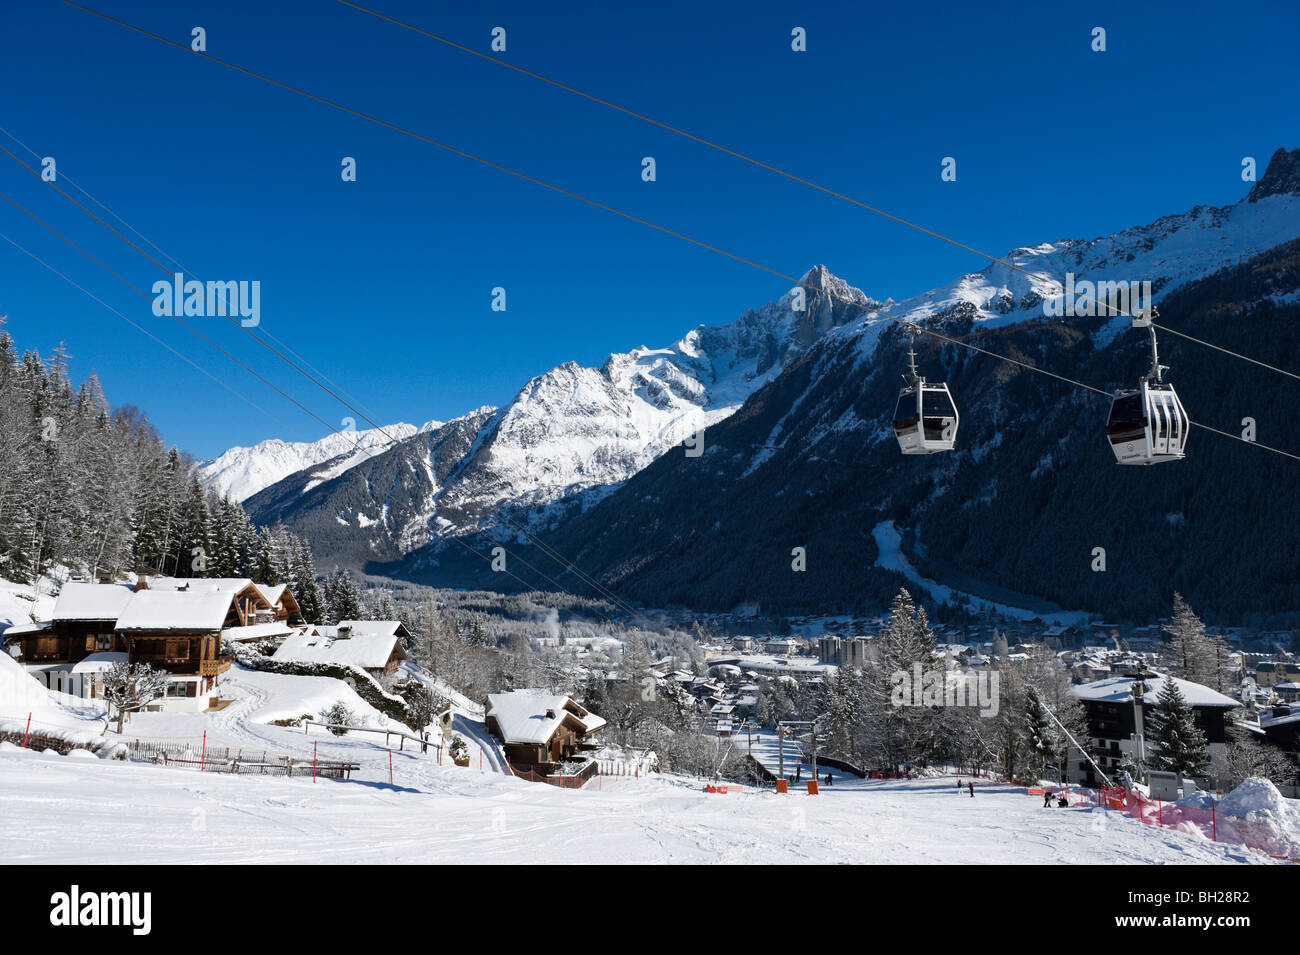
172	624
373	645
65	652
284	606
540	730
180	632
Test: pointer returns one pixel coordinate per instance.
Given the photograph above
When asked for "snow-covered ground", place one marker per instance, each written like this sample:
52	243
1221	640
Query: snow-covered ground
60	808
889	542
66	809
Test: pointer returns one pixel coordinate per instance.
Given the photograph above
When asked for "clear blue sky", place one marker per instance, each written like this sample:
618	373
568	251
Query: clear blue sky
384	284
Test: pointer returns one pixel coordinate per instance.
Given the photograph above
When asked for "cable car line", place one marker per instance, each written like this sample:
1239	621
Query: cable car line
1226	351
144	331
176	318
780	172
592	202
230	318
569	565
141	293
85	192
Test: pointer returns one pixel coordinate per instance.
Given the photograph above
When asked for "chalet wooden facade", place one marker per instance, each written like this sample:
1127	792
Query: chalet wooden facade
540	731
171	624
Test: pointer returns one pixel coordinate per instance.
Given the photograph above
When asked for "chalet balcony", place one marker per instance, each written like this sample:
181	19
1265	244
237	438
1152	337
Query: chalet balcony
214	667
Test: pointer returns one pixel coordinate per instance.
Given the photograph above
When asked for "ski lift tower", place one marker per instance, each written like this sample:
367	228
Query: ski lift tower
780	742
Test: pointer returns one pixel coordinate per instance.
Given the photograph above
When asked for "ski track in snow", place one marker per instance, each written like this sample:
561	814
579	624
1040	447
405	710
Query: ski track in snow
57	809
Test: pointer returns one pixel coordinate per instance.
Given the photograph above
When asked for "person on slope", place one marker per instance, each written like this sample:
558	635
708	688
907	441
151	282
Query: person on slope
1047	799
971	787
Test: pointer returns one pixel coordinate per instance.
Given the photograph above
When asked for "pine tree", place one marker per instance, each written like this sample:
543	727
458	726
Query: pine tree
1039	737
1176	742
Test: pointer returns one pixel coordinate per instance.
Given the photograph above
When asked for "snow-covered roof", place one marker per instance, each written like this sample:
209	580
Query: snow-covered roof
197	585
21	629
257	631
533	716
370	651
91	601
368	628
176	610
271	592
1118	689
98	662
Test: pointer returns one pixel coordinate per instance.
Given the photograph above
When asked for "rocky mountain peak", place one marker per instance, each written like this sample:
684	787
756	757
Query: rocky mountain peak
1282	177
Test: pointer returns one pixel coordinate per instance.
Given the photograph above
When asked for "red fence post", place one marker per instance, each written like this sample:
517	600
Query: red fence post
1160	813
27	731
1214	821
203	753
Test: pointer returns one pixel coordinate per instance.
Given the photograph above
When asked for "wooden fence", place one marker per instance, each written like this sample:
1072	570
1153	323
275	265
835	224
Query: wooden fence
222	759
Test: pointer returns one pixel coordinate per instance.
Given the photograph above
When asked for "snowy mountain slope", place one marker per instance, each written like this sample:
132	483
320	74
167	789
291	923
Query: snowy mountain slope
573	436
485	817
242	472
379	507
1168	252
568	432
810	460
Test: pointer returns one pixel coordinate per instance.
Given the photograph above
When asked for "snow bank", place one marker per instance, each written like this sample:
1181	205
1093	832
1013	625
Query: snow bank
26	705
1258	800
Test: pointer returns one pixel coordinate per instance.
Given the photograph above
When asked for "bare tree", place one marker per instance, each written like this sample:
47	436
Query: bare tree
130	686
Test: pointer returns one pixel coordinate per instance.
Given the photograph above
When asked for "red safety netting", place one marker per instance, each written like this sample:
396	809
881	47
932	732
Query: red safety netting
1204	822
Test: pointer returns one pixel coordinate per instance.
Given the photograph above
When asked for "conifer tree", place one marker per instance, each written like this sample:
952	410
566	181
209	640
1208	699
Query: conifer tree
1175	741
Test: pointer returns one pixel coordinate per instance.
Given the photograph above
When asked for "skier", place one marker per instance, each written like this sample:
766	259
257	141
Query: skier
958	784
828	779
1062	802
798	771
1047	799
971	787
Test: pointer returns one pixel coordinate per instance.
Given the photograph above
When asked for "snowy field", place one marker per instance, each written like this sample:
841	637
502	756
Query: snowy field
81	809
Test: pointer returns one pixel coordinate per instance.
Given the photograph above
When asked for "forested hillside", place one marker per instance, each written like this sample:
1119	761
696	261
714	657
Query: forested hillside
94	490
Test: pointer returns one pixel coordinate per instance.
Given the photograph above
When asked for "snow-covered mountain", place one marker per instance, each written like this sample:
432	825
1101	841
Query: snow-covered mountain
1015	512
569	436
574	436
241	472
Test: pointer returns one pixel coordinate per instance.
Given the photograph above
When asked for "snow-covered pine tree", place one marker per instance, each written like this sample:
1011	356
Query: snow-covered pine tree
1038	736
1175	742
900	733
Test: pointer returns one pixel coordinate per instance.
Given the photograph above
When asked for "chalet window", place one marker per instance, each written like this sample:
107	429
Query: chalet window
177	688
178	651
104	641
45	647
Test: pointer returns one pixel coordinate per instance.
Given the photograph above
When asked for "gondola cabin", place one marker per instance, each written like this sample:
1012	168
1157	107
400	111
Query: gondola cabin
1147	425
925	420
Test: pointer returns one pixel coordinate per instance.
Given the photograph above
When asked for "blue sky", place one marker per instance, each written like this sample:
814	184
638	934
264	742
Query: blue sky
384	284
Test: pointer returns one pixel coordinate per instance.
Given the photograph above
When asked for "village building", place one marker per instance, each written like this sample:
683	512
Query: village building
541	730
373	645
1118	709
180	632
1271	672
78	642
284	606
172	624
